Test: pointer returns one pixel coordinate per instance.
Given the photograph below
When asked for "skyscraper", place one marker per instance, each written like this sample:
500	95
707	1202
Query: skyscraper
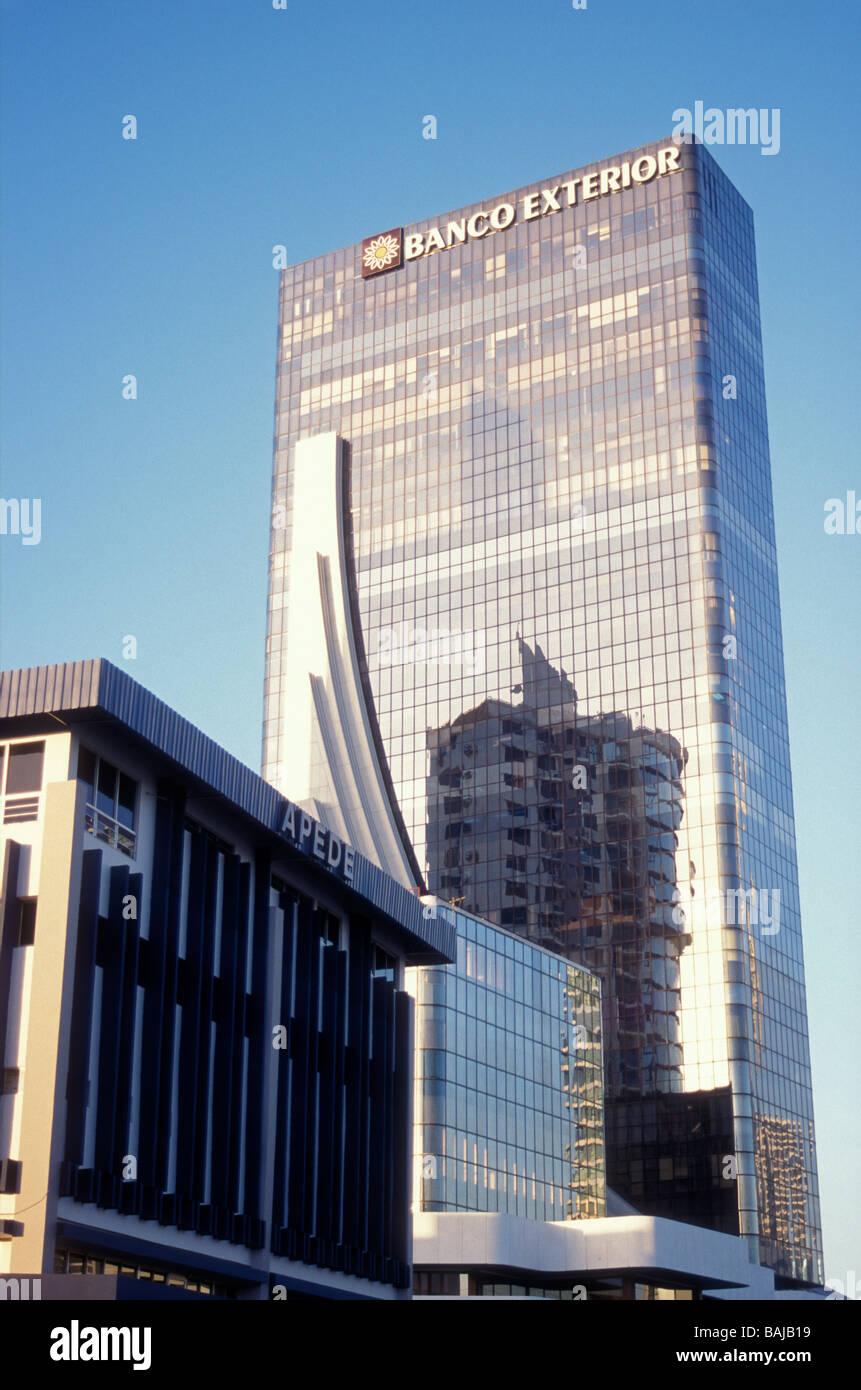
532	436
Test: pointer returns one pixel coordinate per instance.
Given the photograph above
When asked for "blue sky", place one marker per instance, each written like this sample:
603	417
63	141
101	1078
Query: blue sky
303	127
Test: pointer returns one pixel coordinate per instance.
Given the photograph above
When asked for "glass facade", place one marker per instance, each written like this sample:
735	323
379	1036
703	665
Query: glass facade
509	1087
564	562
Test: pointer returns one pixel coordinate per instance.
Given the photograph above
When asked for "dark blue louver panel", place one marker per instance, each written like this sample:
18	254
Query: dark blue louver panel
77	1083
159	1017
341	1177
119	935
10	1170
207	1135
8	932
257	1030
344	1089
195	997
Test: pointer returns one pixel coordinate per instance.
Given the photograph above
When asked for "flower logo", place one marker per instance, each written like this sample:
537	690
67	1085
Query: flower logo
381	252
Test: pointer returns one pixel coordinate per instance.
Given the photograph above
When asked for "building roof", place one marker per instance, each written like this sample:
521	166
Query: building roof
76	692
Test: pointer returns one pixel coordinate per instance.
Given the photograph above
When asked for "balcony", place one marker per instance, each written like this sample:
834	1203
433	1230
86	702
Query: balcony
107	828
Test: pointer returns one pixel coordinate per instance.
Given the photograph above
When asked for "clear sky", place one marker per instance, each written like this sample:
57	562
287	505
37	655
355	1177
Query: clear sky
303	126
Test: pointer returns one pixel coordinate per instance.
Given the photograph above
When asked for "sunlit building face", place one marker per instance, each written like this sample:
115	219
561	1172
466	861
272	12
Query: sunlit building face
557	542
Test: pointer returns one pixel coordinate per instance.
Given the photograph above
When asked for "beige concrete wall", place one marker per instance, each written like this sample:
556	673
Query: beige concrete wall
44	1051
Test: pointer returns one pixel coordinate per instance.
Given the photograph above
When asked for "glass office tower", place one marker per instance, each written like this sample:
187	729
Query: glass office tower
556	532
508	1100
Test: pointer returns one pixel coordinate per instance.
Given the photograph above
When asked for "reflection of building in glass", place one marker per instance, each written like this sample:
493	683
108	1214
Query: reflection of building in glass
578	852
672	1154
782	1173
630	928
509	1087
504	826
540	443
565	829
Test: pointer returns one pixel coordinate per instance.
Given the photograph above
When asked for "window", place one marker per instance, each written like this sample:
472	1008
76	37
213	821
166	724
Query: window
26	921
382	965
436	1282
25	768
23	781
106	794
111	801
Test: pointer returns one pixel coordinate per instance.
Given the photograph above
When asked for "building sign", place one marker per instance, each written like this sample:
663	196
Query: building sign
383	252
391	249
313	839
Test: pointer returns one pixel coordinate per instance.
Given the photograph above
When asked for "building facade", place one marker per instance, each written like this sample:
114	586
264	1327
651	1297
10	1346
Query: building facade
509	1191
205	1042
545	419
509	1082
593	861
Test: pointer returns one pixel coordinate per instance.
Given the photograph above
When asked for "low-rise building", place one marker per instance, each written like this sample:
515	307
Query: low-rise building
205	1041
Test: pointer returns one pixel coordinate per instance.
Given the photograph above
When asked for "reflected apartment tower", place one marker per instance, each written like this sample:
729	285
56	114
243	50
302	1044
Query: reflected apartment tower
589	866
589	872
541	420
